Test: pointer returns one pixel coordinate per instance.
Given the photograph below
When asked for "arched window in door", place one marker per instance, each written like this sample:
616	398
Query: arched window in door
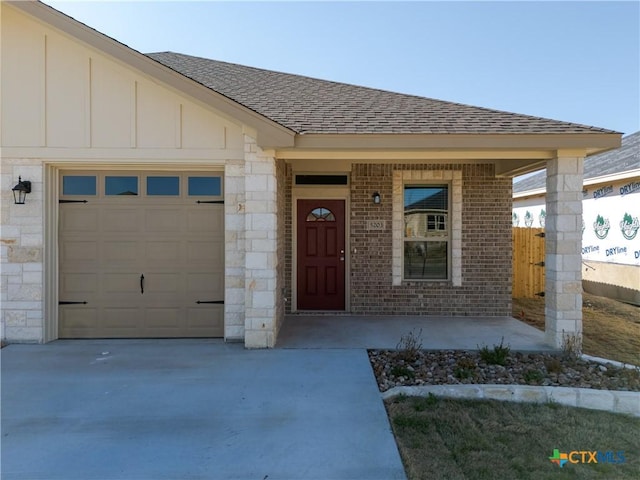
321	215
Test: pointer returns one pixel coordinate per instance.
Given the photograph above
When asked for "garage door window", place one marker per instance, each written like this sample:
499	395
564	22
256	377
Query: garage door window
121	185
79	185
163	186
200	186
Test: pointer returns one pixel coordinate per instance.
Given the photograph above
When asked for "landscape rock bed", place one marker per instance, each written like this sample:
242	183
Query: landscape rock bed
394	368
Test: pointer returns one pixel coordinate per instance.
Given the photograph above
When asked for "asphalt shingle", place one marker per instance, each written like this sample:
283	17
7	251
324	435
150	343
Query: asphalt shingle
620	160
312	106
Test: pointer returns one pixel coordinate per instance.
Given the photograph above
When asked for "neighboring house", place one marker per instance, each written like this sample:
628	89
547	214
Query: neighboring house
610	219
179	196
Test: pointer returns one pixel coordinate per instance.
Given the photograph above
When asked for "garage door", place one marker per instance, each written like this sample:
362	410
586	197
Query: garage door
141	255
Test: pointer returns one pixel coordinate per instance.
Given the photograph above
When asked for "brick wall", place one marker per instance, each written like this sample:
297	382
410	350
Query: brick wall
486	247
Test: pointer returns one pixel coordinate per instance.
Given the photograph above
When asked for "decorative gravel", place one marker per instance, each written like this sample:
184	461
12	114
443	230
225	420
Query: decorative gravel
454	367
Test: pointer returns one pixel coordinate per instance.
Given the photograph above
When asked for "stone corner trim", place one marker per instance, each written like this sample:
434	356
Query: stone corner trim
609	400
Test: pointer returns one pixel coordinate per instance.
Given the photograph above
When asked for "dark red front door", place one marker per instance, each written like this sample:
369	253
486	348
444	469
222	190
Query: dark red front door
321	256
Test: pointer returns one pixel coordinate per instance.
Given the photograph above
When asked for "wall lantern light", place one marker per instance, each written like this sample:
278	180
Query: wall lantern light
20	191
376	198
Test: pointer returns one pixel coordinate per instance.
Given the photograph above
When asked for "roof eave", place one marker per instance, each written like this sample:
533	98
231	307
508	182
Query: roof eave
591	143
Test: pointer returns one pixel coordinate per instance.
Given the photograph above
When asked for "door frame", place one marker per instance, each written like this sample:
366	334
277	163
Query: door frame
310	192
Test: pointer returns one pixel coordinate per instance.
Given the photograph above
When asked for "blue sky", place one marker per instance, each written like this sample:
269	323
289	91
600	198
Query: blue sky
577	61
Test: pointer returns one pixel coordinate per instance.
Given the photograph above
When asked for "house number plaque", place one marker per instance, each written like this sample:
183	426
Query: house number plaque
376	225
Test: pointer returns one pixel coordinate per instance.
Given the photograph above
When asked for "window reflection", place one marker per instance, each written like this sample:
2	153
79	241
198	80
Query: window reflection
321	215
210	186
121	185
79	185
163	185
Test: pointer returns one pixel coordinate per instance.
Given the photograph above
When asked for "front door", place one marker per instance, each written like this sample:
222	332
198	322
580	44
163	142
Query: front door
321	255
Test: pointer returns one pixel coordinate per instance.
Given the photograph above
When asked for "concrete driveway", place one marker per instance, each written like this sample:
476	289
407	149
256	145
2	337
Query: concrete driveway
191	409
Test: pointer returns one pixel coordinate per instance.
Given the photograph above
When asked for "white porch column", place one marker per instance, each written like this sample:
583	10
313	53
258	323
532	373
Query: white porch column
261	247
563	244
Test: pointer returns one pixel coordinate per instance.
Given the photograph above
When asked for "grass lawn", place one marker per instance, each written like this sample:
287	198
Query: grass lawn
475	439
611	329
469	440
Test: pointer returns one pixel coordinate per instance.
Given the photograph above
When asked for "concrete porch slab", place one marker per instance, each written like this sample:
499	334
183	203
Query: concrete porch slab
384	332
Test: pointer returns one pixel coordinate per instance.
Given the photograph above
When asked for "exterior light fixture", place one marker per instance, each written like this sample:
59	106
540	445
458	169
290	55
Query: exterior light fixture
20	191
376	198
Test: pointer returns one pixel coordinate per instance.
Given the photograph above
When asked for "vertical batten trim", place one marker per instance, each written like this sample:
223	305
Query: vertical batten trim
134	114
43	89
88	108
178	125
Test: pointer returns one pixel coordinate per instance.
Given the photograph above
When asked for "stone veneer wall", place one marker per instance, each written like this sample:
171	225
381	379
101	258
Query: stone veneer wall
288	242
21	254
563	253
282	189
234	250
261	246
486	247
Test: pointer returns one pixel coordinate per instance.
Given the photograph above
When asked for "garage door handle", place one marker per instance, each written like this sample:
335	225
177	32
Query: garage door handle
216	302
142	283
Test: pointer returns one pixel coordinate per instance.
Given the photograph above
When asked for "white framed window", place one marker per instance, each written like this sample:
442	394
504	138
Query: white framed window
426	232
427	226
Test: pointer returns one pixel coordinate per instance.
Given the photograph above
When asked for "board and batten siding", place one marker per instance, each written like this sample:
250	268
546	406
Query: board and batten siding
59	93
66	104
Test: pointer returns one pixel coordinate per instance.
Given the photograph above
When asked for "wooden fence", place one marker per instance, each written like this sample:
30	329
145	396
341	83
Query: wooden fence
528	262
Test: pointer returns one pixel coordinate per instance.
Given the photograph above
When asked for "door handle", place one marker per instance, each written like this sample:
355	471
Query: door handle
142	283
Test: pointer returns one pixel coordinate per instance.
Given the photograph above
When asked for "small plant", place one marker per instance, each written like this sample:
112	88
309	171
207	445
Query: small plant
402	371
464	368
533	376
497	356
468	363
553	365
462	373
571	345
409	346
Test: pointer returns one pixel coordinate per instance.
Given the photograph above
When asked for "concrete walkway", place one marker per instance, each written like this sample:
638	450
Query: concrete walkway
191	409
384	332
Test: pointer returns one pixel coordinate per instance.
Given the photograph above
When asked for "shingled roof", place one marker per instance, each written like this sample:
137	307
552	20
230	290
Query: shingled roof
311	106
623	159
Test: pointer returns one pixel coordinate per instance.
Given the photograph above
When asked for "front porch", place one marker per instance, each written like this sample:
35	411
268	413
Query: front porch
384	332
